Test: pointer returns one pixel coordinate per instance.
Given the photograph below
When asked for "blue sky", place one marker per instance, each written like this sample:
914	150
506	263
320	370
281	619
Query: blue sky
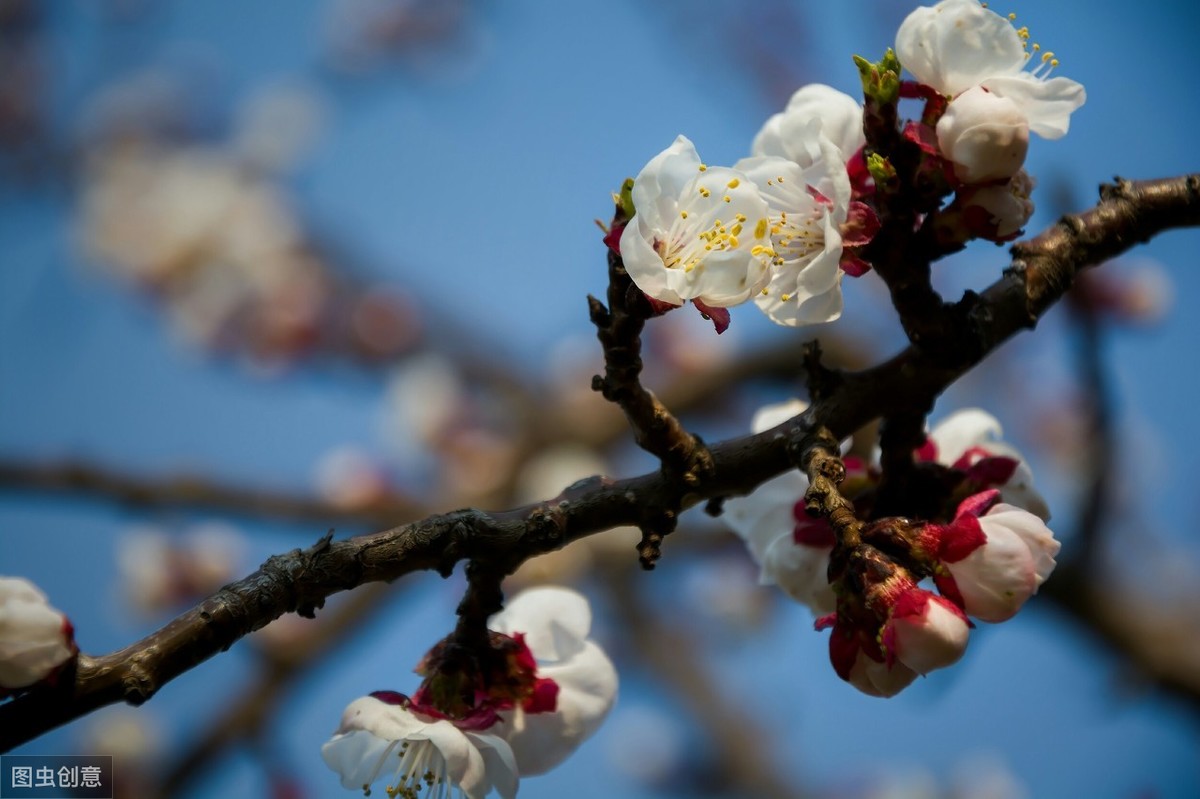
473	177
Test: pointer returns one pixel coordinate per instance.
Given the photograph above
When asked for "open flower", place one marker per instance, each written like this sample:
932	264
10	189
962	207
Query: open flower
966	52
554	623
992	557
839	115
808	196
698	232
551	691
380	736
791	548
970	441
35	638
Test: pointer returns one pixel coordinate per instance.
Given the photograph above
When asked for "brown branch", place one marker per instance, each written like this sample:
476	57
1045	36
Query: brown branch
685	459
247	715
300	581
619	328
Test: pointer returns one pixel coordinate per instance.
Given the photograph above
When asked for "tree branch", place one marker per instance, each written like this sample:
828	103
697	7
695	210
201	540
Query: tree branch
1043	269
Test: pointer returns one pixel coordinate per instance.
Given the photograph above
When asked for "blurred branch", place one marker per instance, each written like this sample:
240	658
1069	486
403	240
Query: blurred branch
1161	641
1042	270
738	754
248	713
198	493
1099	443
548	425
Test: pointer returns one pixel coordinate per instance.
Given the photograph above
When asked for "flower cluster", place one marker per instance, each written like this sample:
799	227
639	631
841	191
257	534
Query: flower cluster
782	226
986	559
776	227
982	103
547	691
36	640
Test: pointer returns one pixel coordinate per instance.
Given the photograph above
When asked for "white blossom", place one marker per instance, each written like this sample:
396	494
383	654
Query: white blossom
996	211
967	53
699	233
35	638
965	438
388	735
925	631
993	557
839	115
985	135
377	738
767	521
555	623
808	196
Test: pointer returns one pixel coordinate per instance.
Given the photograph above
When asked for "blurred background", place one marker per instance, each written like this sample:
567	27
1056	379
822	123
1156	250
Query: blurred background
274	268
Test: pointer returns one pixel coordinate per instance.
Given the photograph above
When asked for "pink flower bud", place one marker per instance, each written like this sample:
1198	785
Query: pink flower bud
995	556
985	135
866	671
925	632
35	639
998	212
875	678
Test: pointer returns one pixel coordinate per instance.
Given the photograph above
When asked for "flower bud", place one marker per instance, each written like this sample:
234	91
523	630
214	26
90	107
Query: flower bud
35	639
985	135
925	632
995	556
998	212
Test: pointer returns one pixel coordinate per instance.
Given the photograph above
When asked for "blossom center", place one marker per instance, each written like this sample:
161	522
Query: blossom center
420	768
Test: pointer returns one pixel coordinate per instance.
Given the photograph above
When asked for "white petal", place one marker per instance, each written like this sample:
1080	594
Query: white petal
802	572
499	763
835	114
1047	104
932	641
996	579
1033	531
957	44
18	589
662	179
767	512
555	621
356	756
391	722
973	427
587	690
33	637
1019	491
876	679
644	265
464	763
985	135
722	280
962	430
813	286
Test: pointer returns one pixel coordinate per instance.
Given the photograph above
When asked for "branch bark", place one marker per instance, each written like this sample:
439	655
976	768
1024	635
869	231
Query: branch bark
1042	270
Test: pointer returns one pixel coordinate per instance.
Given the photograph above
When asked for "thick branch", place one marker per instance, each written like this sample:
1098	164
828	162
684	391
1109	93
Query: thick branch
300	580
